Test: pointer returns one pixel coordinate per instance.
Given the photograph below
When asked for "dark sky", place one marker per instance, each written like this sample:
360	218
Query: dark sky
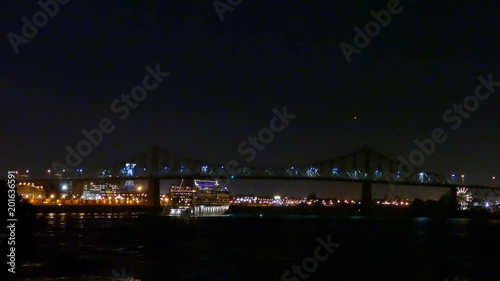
226	77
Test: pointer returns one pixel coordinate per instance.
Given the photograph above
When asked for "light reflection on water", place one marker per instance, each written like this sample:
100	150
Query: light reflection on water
91	238
61	221
107	241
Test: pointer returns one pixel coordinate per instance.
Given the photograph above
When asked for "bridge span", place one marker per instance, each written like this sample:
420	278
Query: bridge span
365	167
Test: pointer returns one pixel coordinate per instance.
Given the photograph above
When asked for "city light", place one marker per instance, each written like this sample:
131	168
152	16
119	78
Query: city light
100	192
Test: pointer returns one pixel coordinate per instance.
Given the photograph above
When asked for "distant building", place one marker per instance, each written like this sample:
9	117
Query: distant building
98	190
129	186
29	190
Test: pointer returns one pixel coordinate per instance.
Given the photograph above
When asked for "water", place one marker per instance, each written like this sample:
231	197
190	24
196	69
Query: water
107	246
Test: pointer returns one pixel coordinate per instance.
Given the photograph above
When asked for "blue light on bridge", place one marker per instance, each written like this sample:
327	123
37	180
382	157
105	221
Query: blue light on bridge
129	169
335	172
313	172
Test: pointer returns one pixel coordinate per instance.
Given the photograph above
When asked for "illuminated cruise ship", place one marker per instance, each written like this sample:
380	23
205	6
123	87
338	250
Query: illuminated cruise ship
198	198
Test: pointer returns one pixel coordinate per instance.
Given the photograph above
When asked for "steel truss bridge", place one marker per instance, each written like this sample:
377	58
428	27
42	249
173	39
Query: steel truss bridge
365	166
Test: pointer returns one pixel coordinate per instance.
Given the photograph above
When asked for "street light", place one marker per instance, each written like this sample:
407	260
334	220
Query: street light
48	171
463	179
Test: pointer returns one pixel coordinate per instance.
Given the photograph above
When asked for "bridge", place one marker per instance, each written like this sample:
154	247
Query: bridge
365	167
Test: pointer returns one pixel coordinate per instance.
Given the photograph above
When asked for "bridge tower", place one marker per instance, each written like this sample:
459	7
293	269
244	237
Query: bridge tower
154	182
366	193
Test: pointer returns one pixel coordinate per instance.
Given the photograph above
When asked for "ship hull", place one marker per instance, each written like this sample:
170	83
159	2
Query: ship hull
201	210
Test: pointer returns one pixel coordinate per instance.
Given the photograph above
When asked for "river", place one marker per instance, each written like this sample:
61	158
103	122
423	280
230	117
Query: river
107	246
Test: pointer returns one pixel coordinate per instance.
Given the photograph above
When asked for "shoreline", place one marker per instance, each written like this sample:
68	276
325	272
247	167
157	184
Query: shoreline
355	211
280	211
96	209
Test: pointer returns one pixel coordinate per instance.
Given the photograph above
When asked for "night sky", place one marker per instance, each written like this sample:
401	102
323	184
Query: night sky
227	76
